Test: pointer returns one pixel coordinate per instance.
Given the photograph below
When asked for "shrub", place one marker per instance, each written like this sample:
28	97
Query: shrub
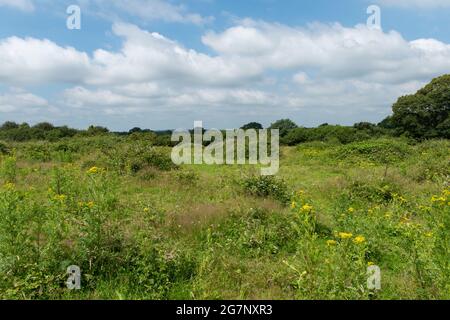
267	186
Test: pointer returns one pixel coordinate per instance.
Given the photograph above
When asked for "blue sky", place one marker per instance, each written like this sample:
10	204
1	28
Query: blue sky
163	64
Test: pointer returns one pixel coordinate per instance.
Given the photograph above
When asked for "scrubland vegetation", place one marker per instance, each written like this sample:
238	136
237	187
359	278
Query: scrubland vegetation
142	228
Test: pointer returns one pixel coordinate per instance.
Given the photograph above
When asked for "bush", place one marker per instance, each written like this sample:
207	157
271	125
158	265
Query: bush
382	151
267	186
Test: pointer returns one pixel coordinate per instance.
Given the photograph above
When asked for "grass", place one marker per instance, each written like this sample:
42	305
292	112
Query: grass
140	229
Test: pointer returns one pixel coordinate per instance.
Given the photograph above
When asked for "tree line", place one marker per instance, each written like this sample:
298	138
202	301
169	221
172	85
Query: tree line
424	115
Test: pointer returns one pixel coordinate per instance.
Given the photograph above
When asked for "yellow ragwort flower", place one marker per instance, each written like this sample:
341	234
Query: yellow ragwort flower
331	243
370	263
93	170
60	197
359	240
351	210
435	199
10	186
344	235
146	210
293	204
307	208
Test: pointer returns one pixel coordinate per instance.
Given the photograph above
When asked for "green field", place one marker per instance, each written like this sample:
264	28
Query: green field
140	228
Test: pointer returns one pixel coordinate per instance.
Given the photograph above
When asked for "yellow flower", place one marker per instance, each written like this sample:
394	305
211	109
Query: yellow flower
307	208
351	210
10	186
146	210
359	240
344	235
370	263
93	170
331	243
60	197
435	199
429	234
90	204
293	204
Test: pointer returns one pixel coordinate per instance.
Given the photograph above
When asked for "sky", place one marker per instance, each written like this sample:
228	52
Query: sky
163	64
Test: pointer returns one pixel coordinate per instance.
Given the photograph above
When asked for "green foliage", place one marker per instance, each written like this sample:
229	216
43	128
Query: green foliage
266	186
252	125
381	151
425	114
284	125
4	149
146	237
8	169
338	134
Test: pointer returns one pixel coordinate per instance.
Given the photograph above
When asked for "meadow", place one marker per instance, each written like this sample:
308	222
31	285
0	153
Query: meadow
140	227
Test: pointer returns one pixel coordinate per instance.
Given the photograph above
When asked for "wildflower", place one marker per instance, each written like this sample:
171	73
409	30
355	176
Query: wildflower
344	235
351	210
359	240
146	210
93	170
331	243
60	197
293	204
307	208
9	186
370	263
435	199
90	204
429	234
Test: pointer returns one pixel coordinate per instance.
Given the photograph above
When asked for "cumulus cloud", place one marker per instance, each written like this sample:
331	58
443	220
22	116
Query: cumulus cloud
23	5
35	61
18	100
256	68
333	50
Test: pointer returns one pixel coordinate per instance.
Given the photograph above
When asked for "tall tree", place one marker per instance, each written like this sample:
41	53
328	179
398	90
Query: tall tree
426	113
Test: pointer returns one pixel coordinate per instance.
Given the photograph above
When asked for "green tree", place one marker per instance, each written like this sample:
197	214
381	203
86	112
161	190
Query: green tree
284	125
426	113
252	125
8	125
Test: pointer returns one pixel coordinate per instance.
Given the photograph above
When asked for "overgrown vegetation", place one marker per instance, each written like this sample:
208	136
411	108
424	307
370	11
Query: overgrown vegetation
141	228
221	232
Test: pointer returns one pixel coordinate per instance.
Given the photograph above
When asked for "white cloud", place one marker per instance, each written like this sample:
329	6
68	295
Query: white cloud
23	5
333	51
18	100
258	69
34	61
